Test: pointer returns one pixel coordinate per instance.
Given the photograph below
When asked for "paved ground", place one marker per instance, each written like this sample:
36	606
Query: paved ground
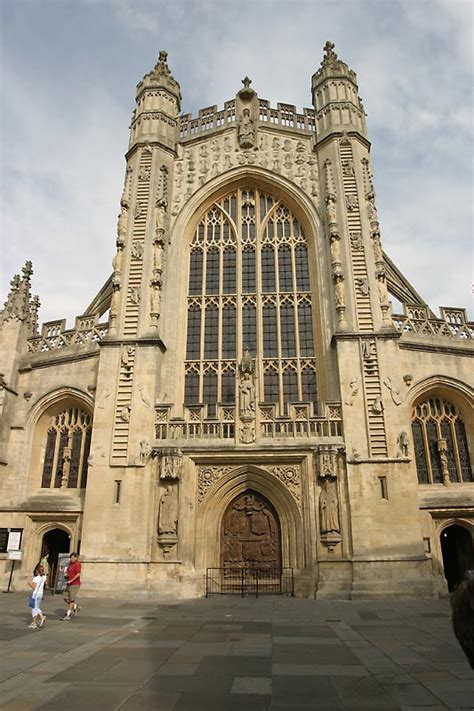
229	653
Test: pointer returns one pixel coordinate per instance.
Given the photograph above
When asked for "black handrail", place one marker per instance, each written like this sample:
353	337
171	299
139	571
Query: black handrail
249	581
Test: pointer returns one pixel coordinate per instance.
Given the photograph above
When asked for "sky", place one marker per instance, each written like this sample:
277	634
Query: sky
68	74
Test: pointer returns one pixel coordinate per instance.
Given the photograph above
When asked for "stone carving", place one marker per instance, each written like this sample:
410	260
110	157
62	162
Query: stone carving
372	211
171	464
247	432
397	397
335	242
118	259
330	187
126	357
207	476
367	178
338	278
168	511
144	173
383	294
160	217
114	305
137	213
137	250
363	285
246	130
356	240
327	468
134	292
408	379
355	456
104	397
291	478
377	248
66	464
155	302
331	216
442	446
348	167
369	350
122	218
157	257
351	202
353	390
377	406
247	395
145	451
144	399
125	413
403	445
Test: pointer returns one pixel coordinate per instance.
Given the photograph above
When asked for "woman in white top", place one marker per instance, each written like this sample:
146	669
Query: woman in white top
37	585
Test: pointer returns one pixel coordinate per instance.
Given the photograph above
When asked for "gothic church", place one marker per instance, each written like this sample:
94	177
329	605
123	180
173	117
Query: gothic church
240	401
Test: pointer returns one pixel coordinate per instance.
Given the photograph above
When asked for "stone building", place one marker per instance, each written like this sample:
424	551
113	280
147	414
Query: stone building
239	394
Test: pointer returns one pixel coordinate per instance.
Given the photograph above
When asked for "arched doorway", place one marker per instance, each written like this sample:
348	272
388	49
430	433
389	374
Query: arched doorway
54	542
458	554
250	534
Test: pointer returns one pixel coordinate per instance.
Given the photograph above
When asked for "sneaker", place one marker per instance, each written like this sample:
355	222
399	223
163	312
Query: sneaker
65	617
33	626
75	611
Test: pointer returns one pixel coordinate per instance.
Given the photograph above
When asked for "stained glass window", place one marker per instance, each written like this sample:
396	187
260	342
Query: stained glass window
68	440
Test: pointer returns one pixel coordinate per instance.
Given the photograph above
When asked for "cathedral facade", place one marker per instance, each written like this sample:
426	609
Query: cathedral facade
239	398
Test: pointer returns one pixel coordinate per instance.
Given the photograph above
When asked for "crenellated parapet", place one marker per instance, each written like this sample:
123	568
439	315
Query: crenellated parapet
418	321
55	337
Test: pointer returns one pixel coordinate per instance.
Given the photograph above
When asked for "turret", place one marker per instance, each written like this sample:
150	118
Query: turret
335	97
158	102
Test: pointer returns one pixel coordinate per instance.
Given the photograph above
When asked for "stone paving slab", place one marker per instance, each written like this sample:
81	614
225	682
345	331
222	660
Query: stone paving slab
226	653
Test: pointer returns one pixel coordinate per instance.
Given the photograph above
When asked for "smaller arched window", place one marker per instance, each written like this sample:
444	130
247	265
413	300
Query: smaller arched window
68	442
440	443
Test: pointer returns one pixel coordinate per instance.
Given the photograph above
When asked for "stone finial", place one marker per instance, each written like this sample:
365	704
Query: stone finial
330	56
246	93
161	67
246	81
19	305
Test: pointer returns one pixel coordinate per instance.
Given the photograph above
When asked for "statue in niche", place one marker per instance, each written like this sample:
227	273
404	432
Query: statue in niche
443	457
338	277
246	130
335	247
382	288
160	215
122	218
155	300
247	395
117	260
158	257
331	210
403	444
137	250
168	511
372	211
328	506
377	247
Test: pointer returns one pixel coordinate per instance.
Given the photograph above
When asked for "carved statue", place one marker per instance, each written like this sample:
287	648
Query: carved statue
377	247
443	456
331	210
246	130
168	511
145	451
339	288
382	288
158	257
335	247
377	407
351	202
328	506
126	355
122	218
372	211
117	260
354	389
137	250
114	304
363	285
135	294
155	299
356	240
138	210
125	413
160	215
247	395
144	173
397	397
403	444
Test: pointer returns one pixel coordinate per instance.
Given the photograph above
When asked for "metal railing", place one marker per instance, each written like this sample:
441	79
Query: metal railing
249	581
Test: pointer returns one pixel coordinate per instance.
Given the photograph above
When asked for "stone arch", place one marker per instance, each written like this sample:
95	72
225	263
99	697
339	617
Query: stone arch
456	542
224	491
37	424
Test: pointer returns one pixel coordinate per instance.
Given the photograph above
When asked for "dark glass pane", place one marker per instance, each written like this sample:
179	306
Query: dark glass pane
195	273
463	450
233	207
268	270
248	271
306	329
288	336
228	276
63	439
420	454
249	328
210	393
228	387
228	332
270	386
447	435
212	273
191	388
308	386
211	333
270	335
194	334
290	386
285	272
75	458
432	433
302	269
49	458
85	463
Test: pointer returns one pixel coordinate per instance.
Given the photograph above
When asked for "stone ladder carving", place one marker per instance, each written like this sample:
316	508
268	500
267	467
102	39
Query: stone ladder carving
123	405
373	399
359	265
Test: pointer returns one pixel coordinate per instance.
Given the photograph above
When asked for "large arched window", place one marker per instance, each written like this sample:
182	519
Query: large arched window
440	443
249	289
68	442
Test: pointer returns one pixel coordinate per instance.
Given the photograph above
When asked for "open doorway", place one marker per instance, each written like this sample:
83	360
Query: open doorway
55	542
458	554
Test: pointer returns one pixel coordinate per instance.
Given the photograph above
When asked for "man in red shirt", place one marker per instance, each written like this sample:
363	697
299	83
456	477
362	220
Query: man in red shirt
73	584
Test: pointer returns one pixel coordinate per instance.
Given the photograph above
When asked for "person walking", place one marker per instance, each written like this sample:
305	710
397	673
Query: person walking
73	584
38	619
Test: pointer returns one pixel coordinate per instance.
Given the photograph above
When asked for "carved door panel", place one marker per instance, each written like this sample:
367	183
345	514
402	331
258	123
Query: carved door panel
250	536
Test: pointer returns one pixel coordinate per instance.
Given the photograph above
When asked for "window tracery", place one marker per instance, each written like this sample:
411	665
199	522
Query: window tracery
440	443
67	450
249	289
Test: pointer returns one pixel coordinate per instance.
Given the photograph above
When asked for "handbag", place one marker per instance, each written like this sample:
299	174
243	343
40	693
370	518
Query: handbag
31	601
